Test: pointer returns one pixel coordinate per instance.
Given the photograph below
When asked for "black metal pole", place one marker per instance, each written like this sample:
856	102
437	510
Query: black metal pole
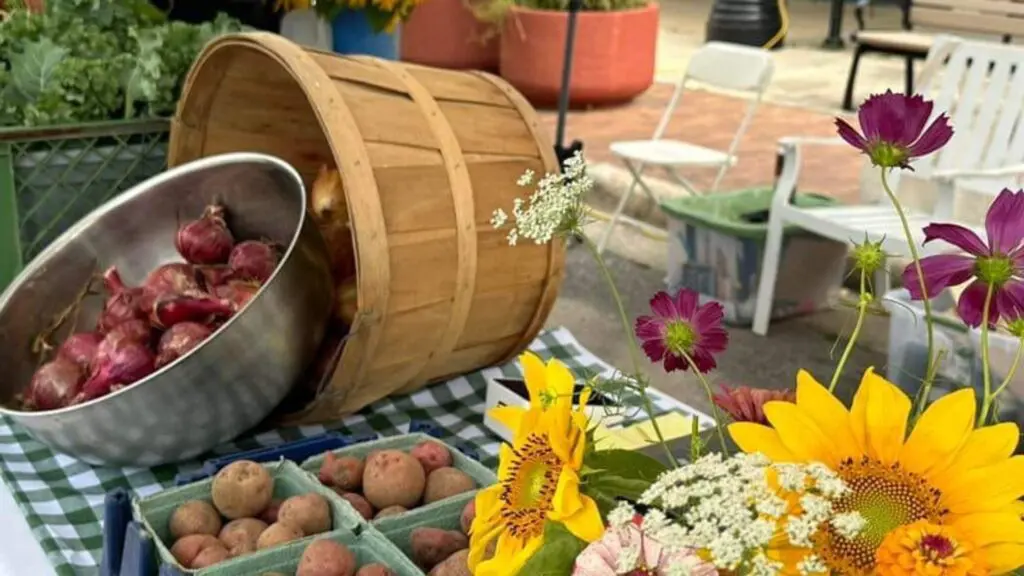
834	40
561	151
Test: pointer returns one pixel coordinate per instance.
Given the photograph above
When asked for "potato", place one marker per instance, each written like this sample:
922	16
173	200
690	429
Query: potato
430	546
445	482
242	489
269	515
455	565
210	556
345	472
240	536
390	511
326	558
391	478
187	548
468	515
308	512
359	503
278	533
375	570
432	455
194	517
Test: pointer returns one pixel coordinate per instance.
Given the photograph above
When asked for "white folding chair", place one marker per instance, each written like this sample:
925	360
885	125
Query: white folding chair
717	64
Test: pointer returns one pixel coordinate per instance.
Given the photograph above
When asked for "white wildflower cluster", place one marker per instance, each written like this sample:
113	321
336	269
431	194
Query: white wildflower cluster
734	510
556	205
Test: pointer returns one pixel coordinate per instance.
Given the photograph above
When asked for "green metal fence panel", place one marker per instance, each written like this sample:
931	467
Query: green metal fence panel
52	177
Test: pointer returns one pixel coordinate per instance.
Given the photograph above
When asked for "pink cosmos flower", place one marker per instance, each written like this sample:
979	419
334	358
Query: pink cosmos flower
745	404
998	263
627	551
894	129
681	327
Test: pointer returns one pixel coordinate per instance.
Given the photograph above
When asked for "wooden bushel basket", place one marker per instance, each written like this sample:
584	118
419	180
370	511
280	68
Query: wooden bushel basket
426	156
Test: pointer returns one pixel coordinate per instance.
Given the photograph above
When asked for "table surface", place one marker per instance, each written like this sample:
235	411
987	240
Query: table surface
43	534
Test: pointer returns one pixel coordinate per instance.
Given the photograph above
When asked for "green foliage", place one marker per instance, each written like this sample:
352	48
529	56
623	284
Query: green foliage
558	554
92	60
611	475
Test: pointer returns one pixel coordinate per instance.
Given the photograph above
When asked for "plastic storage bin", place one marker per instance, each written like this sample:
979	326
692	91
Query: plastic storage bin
716	246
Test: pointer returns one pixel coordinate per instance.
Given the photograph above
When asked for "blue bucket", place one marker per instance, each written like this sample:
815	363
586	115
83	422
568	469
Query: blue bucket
354	35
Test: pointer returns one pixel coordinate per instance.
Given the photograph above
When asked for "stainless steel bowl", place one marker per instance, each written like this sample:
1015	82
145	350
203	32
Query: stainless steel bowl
221	388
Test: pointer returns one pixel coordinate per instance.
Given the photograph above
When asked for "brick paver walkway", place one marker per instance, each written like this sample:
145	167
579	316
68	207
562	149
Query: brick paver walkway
710	119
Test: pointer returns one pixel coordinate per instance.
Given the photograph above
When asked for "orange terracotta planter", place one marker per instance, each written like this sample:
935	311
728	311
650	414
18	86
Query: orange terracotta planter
446	34
613	60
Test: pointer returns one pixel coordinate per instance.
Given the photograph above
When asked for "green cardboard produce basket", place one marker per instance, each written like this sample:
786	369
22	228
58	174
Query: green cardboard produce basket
447	515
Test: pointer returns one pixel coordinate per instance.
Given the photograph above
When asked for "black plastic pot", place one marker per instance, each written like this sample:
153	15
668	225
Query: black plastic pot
748	22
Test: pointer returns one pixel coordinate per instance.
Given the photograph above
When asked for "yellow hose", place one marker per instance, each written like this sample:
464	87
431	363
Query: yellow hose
783	29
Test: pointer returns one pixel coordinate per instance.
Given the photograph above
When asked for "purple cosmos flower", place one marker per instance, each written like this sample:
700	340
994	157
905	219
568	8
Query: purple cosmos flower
679	328
894	129
999	264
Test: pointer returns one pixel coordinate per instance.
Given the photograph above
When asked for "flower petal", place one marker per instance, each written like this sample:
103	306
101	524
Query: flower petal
989	489
828	413
579	513
534	375
955	234
1004	222
987	528
879	417
655	350
649	328
940	272
938	134
560	381
686	303
510	556
971	305
1004	558
850	135
663	306
510	417
799	434
940	432
756	438
983	447
918	110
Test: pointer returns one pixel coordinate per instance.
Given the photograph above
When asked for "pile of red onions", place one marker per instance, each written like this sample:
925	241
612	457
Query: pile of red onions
144	328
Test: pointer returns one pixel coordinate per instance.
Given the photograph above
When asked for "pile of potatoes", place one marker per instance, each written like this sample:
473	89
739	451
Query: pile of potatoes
391	482
329	558
242	495
444	552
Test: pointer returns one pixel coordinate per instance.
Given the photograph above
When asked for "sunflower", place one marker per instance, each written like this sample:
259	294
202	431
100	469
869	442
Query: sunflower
549	386
945	472
538	480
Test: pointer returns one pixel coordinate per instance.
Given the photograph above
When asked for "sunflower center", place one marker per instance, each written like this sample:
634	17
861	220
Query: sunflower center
887	497
887	154
548	396
679	337
528	490
994	270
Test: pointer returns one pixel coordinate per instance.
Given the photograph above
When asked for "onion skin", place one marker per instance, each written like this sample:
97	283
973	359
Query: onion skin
173	310
174	278
329	208
206	240
253	260
121	307
178	340
54	385
126	363
214	276
237	292
135	330
80	349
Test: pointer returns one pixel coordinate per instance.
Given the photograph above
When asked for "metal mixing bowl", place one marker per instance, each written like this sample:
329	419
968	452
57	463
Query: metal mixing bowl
219	389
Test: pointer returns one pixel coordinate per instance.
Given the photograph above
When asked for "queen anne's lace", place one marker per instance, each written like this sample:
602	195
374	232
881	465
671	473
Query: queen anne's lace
554	208
734	513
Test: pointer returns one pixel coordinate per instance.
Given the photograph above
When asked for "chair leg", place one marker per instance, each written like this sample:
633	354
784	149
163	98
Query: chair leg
769	274
614	220
909	71
848	94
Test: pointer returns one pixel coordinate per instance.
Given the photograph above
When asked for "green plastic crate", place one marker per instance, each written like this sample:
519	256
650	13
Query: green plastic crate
289	480
446	516
52	177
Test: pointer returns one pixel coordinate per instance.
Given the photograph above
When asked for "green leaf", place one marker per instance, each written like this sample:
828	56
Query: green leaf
557	555
625	464
379	19
142	80
34	70
612	486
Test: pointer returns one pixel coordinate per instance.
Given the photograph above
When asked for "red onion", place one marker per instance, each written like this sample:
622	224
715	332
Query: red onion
125	363
80	348
169	311
174	278
214	276
206	240
253	260
54	385
112	281
122	305
237	292
178	340
135	330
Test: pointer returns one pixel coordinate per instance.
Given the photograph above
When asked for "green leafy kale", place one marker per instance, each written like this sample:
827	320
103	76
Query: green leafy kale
92	60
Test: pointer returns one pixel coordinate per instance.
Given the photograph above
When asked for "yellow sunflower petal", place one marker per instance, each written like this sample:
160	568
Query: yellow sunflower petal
1003	558
799	434
859	412
885	417
535	375
989	489
488	503
579	513
987	528
478	546
584	398
560	381
832	418
557	426
505	457
509	556
579	446
751	438
940	432
983	447
509	416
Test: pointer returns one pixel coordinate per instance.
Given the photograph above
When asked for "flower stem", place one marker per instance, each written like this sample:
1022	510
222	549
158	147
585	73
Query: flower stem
862	311
1009	375
634	350
929	376
986	372
711	399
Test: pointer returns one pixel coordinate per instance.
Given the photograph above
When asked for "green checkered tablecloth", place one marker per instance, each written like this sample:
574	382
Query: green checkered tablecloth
62	497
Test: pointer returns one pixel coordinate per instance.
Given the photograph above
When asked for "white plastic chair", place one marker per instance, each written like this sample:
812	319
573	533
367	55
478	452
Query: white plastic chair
730	66
981	87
